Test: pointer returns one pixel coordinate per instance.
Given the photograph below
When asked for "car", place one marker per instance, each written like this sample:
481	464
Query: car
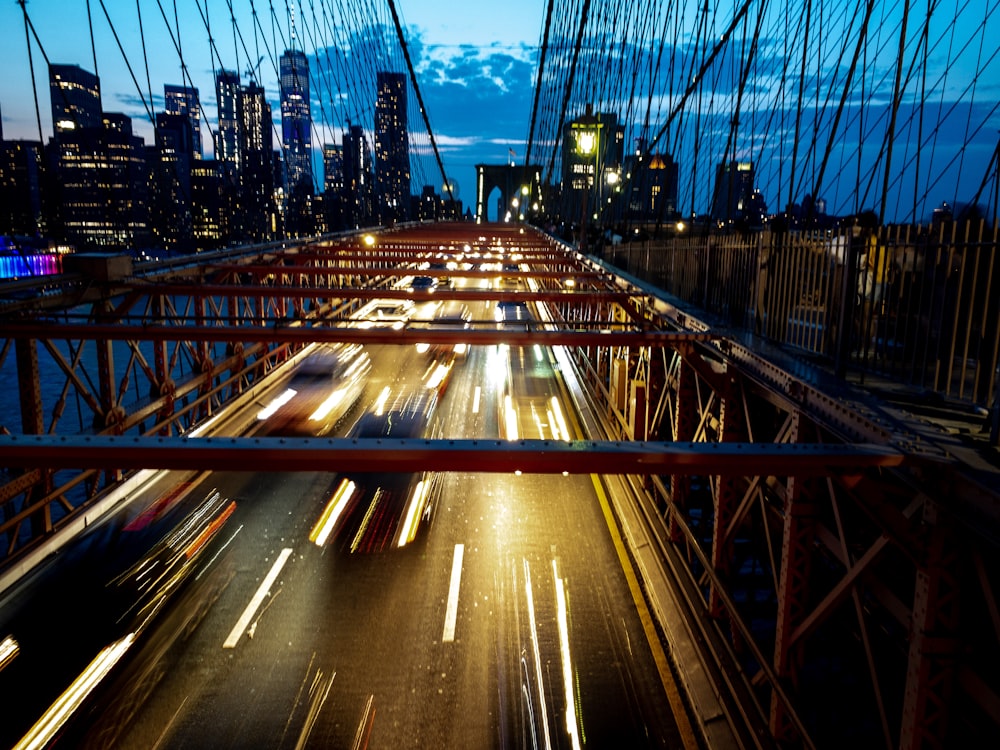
376	512
443	282
452	315
323	389
512	314
384	313
423	284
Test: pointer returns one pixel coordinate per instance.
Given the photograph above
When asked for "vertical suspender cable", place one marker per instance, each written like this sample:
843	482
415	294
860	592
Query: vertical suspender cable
420	101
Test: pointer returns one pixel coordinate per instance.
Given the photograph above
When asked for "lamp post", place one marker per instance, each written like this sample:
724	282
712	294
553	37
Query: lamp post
587	150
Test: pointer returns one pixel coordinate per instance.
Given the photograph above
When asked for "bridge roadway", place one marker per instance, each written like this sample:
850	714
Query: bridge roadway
278	641
515	621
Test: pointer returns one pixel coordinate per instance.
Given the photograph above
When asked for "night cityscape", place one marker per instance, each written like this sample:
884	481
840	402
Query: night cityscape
567	375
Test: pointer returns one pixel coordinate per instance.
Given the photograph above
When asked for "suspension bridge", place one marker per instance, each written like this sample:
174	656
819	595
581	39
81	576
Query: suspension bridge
716	466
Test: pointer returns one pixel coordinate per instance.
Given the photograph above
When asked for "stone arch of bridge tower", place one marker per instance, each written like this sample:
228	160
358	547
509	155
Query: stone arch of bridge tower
508	179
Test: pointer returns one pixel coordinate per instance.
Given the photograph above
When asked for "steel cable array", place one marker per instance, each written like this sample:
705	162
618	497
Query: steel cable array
861	105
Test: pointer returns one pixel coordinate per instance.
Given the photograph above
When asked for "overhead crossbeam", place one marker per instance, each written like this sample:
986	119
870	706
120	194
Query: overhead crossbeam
525	334
414	455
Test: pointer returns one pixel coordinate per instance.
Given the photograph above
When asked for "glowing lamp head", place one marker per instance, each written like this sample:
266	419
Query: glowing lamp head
586	141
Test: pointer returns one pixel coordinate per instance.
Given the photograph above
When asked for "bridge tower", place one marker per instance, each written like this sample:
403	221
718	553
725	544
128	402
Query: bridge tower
515	182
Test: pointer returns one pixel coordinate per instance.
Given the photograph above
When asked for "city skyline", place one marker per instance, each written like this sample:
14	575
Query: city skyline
478	97
460	52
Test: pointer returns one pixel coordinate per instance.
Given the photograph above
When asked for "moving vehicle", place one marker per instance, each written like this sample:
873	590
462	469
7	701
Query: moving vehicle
141	587
451	315
383	313
370	512
322	390
508	314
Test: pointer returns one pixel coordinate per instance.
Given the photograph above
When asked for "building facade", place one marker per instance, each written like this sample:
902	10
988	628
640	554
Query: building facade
358	191
296	138
254	204
75	98
733	190
227	136
392	149
21	188
183	100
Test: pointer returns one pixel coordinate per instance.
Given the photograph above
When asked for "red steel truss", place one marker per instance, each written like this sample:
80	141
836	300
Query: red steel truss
821	543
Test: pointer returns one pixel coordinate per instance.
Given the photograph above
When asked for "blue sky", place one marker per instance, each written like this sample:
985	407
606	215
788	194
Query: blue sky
475	65
475	68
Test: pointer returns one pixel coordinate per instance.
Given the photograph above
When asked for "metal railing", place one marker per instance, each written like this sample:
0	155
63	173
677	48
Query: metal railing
909	305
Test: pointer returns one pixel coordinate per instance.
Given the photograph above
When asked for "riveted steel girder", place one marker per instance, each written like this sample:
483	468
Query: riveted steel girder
528	456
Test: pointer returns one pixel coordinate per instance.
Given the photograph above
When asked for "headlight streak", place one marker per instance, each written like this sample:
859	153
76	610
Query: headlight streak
562	429
538	353
380	402
327	406
328	519
562	618
217	554
408	529
9	649
510	418
476	395
537	654
52	720
498	366
209	531
276	404
437	376
320	691
539	424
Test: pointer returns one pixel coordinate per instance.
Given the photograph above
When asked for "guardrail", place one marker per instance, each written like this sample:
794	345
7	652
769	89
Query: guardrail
918	307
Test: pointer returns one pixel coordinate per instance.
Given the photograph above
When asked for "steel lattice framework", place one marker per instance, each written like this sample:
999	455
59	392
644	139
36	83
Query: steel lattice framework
820	543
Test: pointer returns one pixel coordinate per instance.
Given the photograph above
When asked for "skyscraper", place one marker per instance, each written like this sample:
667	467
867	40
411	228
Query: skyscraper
172	207
295	122
76	98
227	139
333	168
101	173
357	178
21	187
392	148
733	188
183	100
256	192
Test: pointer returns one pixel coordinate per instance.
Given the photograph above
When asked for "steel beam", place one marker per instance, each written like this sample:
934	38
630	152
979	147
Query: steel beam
497	456
536	333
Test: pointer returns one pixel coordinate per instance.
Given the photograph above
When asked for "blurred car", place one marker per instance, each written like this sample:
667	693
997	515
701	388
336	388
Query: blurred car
375	512
454	316
322	390
384	313
512	314
423	284
443	282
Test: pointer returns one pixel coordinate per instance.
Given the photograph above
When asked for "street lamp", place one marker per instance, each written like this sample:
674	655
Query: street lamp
586	173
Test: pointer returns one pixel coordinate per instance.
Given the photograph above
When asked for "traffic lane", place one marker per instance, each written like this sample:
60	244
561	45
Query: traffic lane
97	590
537	548
381	636
286	507
342	637
60	653
548	535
